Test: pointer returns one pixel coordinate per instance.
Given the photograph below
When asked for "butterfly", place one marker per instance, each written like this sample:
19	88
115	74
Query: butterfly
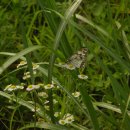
77	60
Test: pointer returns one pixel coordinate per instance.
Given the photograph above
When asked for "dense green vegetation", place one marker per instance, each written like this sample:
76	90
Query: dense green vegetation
38	91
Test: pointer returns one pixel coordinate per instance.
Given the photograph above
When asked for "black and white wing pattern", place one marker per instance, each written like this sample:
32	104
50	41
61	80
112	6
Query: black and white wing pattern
77	60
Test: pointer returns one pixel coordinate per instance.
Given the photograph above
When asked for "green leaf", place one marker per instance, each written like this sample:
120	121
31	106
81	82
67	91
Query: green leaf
17	56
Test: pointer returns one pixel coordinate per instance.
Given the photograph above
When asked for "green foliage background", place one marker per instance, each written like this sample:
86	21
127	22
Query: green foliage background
47	32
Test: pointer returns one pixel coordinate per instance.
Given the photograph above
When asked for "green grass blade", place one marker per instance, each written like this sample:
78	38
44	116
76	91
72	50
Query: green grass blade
22	102
93	25
88	103
120	94
110	107
44	125
59	34
17	56
63	24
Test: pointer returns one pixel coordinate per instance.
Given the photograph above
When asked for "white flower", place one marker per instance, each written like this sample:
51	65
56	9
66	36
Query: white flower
10	87
69	66
31	87
43	94
49	86
13	87
66	115
36	86
27	75
62	122
56	114
21	63
76	94
19	87
82	76
35	66
69	118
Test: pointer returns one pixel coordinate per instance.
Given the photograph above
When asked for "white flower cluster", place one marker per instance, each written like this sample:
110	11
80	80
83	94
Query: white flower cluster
12	87
67	119
49	86
27	74
82	76
76	94
32	87
22	63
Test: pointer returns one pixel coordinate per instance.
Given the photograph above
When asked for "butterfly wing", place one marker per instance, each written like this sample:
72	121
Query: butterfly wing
78	59
75	60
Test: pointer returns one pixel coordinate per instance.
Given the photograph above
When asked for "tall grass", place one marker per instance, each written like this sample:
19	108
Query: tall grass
46	33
